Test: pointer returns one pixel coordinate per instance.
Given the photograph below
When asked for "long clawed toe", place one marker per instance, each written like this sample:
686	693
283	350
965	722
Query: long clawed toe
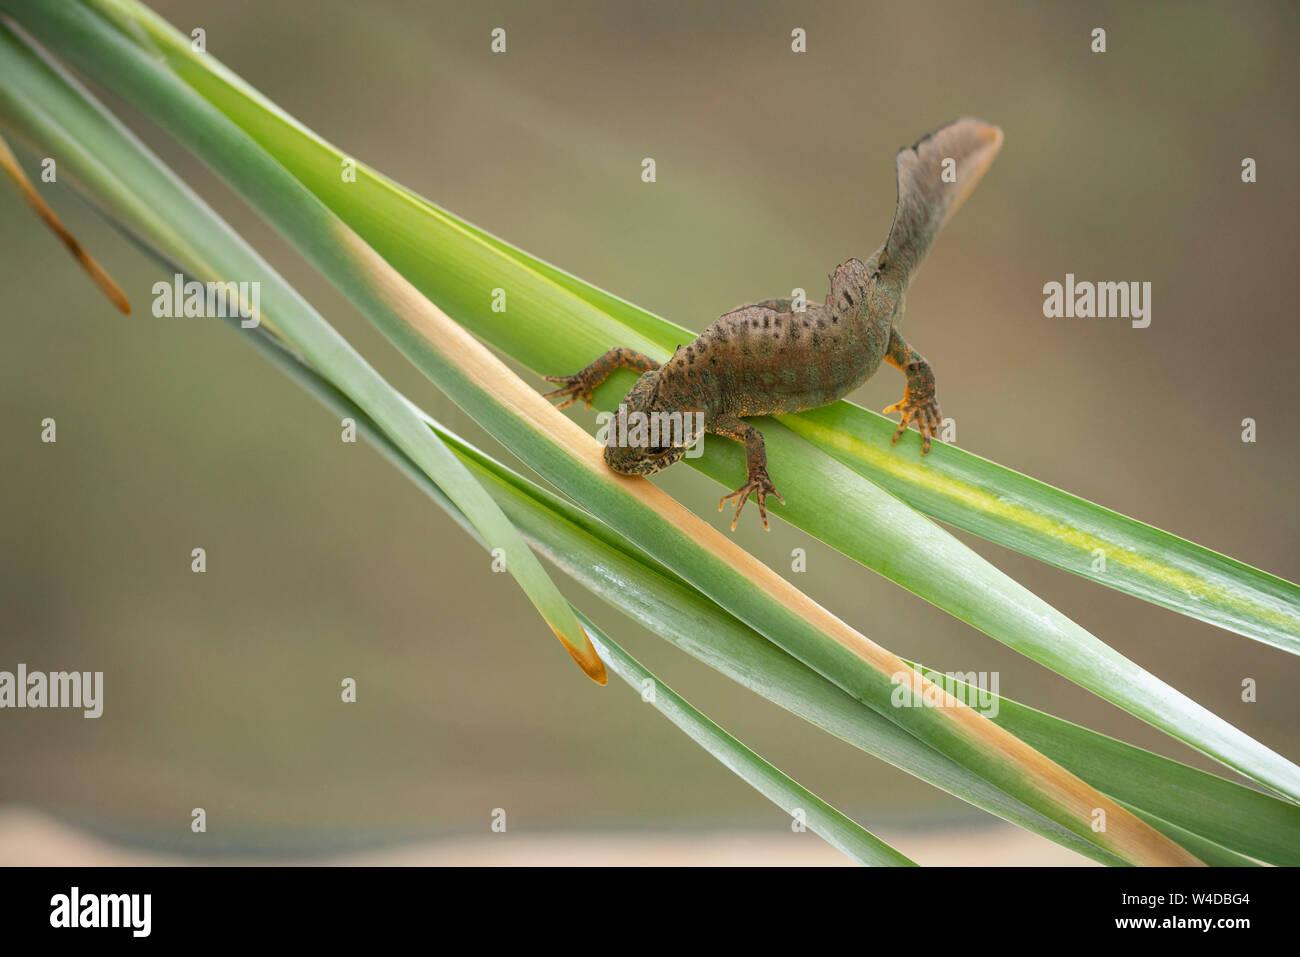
924	412
575	387
760	486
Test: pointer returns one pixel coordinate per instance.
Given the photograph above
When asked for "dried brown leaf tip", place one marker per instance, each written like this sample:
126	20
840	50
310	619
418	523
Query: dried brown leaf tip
9	163
586	658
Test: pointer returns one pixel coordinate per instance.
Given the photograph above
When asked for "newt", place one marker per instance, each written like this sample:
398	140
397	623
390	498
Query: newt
770	358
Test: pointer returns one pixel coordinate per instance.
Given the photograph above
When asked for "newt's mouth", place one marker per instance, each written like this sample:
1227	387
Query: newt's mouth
629	460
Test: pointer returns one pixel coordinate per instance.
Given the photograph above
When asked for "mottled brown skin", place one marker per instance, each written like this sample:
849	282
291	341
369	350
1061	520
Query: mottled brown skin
768	359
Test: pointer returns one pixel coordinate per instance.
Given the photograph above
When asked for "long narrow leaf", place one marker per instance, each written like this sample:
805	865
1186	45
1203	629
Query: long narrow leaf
834	827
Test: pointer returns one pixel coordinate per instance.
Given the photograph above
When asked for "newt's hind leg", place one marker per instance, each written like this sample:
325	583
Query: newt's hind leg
580	385
918	403
757	482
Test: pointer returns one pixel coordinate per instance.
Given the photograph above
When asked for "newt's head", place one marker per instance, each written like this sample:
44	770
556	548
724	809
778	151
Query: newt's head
641	439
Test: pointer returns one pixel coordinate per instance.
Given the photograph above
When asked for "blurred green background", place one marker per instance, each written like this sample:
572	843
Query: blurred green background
222	689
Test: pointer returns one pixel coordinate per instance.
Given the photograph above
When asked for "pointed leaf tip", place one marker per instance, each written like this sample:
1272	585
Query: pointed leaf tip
586	658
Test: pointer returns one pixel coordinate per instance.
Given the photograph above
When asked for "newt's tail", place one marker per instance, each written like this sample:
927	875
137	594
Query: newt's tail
934	178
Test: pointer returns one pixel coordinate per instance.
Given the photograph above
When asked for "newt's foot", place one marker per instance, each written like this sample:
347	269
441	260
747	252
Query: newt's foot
921	407
580	385
759	485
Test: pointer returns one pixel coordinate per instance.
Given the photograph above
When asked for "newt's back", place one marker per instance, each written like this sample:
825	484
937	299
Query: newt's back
768	359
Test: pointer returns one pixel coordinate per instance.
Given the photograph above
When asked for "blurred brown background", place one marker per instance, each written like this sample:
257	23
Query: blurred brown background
323	562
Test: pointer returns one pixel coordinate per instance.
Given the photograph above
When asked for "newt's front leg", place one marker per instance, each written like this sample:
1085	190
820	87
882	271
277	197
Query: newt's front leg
757	481
580	385
918	403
